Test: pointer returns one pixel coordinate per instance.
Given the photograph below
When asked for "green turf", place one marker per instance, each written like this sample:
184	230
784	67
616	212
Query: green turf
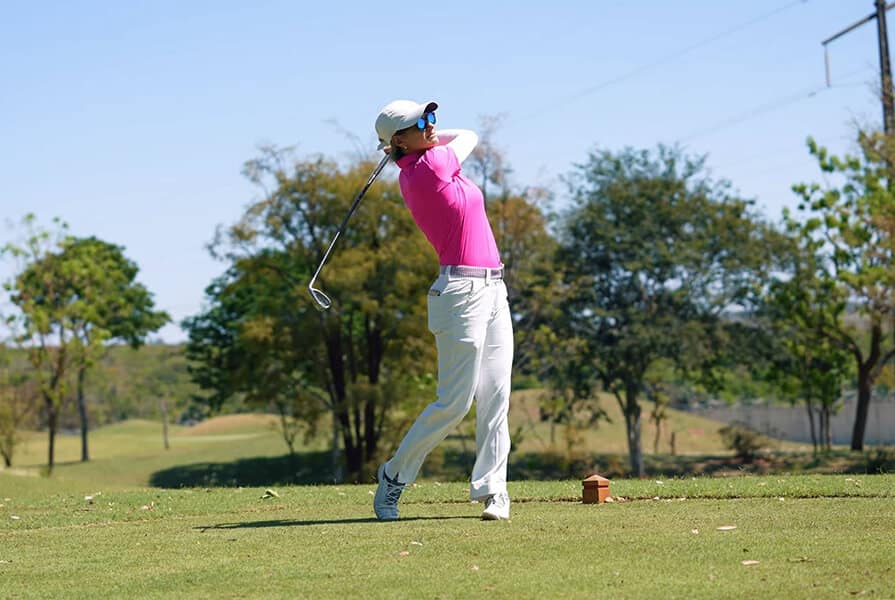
822	536
814	536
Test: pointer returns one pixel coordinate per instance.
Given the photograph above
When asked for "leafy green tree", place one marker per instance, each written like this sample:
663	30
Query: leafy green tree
240	348
656	255
106	304
803	364
214	350
847	296
43	326
360	360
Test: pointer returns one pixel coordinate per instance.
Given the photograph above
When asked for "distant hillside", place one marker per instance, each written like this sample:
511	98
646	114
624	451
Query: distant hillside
129	384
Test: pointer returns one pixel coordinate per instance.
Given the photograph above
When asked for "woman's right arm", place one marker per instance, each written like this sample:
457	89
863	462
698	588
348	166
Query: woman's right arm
461	141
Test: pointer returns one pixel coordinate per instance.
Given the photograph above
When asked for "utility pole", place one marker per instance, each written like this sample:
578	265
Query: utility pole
885	67
886	96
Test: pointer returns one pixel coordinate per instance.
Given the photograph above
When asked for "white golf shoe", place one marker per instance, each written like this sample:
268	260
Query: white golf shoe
497	507
385	502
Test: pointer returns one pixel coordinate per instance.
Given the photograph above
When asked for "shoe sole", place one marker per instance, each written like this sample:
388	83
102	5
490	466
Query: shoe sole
492	517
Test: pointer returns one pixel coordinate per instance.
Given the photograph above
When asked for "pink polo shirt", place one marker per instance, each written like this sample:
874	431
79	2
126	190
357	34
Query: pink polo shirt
448	208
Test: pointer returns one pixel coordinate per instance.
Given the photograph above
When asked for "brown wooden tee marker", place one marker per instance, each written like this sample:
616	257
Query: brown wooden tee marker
595	490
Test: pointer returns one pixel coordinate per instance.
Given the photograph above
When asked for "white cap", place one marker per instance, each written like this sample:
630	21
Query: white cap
399	115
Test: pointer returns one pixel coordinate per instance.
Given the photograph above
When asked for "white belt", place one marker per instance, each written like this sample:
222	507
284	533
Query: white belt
464	271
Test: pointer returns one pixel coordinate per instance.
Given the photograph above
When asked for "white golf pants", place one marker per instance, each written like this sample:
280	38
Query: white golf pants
470	318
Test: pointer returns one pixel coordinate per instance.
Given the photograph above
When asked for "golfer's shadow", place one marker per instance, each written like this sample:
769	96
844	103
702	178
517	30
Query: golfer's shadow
288	523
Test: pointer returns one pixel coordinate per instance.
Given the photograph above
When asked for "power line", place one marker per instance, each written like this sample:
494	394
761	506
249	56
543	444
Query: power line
667	58
766	107
754	112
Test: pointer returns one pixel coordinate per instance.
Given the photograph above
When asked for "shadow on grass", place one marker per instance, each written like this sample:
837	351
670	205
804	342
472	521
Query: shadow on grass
453	464
306	468
286	523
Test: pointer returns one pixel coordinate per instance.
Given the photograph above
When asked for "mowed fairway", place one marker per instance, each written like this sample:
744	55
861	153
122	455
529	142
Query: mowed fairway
98	529
823	536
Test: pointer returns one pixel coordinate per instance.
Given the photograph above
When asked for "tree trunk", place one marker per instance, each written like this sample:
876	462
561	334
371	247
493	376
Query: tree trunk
353	459
863	408
632	423
6	451
865	387
814	437
373	399
52	423
287	428
164	408
82	413
342	412
336	459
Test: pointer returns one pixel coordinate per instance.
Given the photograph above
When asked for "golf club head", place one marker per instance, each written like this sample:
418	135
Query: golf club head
322	300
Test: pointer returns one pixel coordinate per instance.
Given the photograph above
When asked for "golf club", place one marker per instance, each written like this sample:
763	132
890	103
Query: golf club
322	300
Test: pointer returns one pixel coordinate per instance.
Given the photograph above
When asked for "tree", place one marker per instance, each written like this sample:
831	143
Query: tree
105	304
213	349
802	363
847	231
241	347
43	326
656	256
361	359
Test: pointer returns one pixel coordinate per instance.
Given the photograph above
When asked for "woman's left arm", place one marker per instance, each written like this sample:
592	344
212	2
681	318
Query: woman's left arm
461	141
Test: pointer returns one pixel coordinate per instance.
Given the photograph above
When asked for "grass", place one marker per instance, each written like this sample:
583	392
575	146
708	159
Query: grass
816	536
208	529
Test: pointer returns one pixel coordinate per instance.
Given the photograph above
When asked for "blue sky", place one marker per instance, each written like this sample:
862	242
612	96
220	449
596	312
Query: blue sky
131	120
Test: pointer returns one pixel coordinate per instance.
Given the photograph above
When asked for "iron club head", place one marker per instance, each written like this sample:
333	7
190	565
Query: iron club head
322	300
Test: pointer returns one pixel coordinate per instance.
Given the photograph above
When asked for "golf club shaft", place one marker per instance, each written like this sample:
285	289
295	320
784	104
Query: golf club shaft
353	208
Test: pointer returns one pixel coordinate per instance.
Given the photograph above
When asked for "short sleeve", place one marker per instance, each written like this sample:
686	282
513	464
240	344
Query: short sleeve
443	163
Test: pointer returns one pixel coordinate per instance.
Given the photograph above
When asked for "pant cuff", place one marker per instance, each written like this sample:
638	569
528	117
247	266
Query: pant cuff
489	489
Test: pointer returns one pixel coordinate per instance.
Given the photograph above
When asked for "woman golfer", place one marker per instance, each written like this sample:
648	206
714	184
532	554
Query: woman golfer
468	310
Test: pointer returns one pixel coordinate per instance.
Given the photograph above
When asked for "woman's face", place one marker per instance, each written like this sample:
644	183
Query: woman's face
414	139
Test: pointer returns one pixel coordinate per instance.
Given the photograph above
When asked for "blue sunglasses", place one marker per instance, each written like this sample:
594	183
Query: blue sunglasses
427	119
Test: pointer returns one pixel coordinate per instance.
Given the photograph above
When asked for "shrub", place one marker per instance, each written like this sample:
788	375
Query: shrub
881	460
745	442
